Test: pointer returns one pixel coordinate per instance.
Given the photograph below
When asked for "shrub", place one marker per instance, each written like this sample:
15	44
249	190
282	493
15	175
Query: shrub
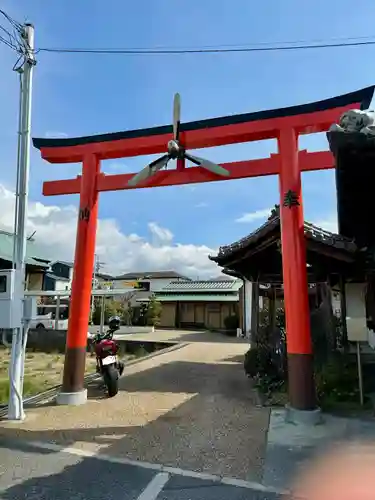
266	360
337	380
232	322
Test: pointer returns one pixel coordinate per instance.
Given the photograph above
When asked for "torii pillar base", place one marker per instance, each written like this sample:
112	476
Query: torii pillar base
72	398
303	417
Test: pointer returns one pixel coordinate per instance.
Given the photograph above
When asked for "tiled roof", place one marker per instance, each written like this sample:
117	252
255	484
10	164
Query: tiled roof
311	231
64	262
203	286
103	276
151	275
57	278
195	297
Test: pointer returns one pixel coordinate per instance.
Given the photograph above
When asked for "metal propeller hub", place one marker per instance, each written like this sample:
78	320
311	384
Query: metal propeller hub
174	149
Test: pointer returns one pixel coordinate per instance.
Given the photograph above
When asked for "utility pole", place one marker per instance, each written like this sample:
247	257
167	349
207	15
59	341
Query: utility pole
19	337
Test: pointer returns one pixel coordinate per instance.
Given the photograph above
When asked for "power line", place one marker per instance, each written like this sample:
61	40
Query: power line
150	51
16	41
16	25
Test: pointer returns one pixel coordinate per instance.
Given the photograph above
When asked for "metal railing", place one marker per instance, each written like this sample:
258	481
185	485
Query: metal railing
67	293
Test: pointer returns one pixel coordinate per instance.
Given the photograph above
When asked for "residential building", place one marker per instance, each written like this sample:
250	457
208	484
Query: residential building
151	281
36	267
198	304
59	276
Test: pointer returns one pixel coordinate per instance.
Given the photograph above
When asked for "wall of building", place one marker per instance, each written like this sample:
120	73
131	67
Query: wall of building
62	285
35	281
60	269
156	284
168	315
205	315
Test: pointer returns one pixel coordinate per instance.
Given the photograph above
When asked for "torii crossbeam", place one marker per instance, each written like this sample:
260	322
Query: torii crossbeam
285	125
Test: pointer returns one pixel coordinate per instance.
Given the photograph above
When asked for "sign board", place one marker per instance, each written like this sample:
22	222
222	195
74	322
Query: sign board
356	312
111	285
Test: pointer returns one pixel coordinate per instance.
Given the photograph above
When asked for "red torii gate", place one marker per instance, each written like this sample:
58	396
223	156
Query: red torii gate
285	125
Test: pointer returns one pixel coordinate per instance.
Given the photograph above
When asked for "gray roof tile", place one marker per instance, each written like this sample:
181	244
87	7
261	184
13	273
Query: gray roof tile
203	285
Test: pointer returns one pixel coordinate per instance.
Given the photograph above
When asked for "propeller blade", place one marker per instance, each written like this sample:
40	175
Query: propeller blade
149	171
208	165
176	116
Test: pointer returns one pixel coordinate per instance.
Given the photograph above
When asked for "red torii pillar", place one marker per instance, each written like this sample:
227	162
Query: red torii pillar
73	390
299	345
285	125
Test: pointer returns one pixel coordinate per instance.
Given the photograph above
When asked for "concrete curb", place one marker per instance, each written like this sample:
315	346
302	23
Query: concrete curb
44	397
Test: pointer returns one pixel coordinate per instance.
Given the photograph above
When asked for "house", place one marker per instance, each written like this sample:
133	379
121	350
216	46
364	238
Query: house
198	304
36	267
59	276
151	281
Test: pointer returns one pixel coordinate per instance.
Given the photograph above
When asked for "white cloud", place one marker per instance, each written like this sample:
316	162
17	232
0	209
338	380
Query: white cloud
202	204
329	223
56	135
56	231
115	167
160	235
254	216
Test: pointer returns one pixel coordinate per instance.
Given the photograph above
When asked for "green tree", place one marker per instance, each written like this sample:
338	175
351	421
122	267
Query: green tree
111	308
153	312
128	313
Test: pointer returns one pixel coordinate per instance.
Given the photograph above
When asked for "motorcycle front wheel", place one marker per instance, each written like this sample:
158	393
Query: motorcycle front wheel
110	377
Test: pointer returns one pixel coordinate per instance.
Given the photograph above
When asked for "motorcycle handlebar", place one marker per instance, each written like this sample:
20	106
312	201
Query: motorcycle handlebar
107	335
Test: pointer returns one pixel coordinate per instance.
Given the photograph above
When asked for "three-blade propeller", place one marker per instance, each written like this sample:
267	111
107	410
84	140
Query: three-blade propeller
176	151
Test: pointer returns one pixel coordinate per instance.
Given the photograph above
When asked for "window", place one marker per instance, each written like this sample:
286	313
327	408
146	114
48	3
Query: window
3	284
143	285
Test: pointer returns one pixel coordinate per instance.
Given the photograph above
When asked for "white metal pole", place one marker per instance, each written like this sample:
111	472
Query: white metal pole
57	312
93	286
102	312
360	375
15	408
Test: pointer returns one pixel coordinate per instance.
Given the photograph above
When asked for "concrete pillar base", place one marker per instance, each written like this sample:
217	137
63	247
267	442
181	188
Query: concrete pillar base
303	417
72	398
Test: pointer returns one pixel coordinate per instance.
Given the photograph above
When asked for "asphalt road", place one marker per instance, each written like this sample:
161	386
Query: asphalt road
35	474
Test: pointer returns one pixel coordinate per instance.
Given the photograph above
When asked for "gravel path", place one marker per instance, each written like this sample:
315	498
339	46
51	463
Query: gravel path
191	408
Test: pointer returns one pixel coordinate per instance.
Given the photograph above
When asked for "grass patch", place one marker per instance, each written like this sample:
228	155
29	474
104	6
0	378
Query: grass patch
42	372
31	386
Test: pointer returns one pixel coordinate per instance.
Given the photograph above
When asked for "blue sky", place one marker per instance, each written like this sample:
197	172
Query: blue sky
84	94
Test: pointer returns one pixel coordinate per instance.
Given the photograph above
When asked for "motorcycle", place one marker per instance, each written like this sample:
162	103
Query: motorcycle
107	362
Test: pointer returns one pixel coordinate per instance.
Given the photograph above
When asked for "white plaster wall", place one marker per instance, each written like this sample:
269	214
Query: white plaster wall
62	285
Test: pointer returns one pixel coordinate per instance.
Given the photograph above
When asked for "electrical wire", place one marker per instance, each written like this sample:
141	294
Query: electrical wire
17	42
223	50
16	25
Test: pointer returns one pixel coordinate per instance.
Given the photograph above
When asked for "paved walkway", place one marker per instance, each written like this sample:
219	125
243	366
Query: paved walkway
191	408
190	336
35	473
290	447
